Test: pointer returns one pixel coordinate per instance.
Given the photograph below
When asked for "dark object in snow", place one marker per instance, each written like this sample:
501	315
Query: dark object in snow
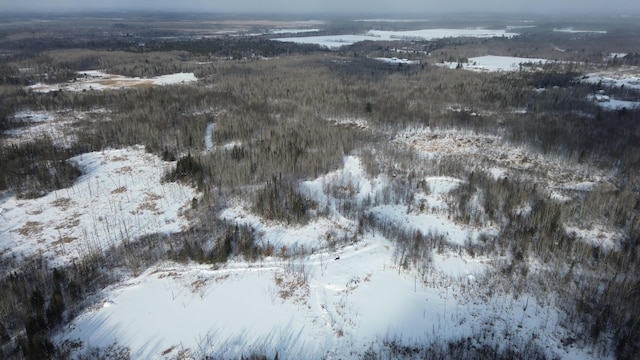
338	257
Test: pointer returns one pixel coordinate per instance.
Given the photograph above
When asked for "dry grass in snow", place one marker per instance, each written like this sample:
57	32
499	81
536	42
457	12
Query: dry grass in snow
119	198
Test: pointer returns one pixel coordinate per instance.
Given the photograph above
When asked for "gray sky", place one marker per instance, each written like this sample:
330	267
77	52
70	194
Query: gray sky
336	6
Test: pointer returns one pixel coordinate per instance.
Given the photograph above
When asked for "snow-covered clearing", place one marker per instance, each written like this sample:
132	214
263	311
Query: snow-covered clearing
492	63
628	78
29	116
359	123
431	34
395	60
311	236
119	197
428	223
500	157
328	41
292	31
602	236
99	80
571	30
311	307
53	125
331	302
612	103
337	41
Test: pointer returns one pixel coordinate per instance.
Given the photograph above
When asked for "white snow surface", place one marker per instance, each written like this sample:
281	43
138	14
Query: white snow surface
612	104
119	197
428	223
31	116
208	136
292	31
430	34
572	30
493	63
328	41
52	125
629	78
337	41
344	307
99	80
395	60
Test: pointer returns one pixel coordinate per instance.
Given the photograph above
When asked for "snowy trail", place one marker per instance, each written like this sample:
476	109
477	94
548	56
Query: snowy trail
208	136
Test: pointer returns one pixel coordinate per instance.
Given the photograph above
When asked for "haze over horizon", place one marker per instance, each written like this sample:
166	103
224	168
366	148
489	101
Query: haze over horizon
578	7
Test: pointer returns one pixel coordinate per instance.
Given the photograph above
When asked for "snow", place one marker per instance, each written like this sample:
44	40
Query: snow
311	236
456	265
119	197
427	223
31	116
208	136
330	303
337	41
440	185
359	123
492	63
172	79
343	307
615	104
498	173
507	158
431	34
612	104
328	41
292	31
195	307
395	60
53	125
572	30
349	182
99	80
628	78
515	27
54	130
612	56
604	237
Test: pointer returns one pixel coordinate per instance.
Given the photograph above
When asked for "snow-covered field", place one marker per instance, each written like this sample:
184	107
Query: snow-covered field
628	78
119	197
328	41
99	80
571	30
494	63
431	34
53	125
395	60
292	31
612	103
337	41
343	308
332	302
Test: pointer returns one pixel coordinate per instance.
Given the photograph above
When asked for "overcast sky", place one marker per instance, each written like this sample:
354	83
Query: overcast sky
335	6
